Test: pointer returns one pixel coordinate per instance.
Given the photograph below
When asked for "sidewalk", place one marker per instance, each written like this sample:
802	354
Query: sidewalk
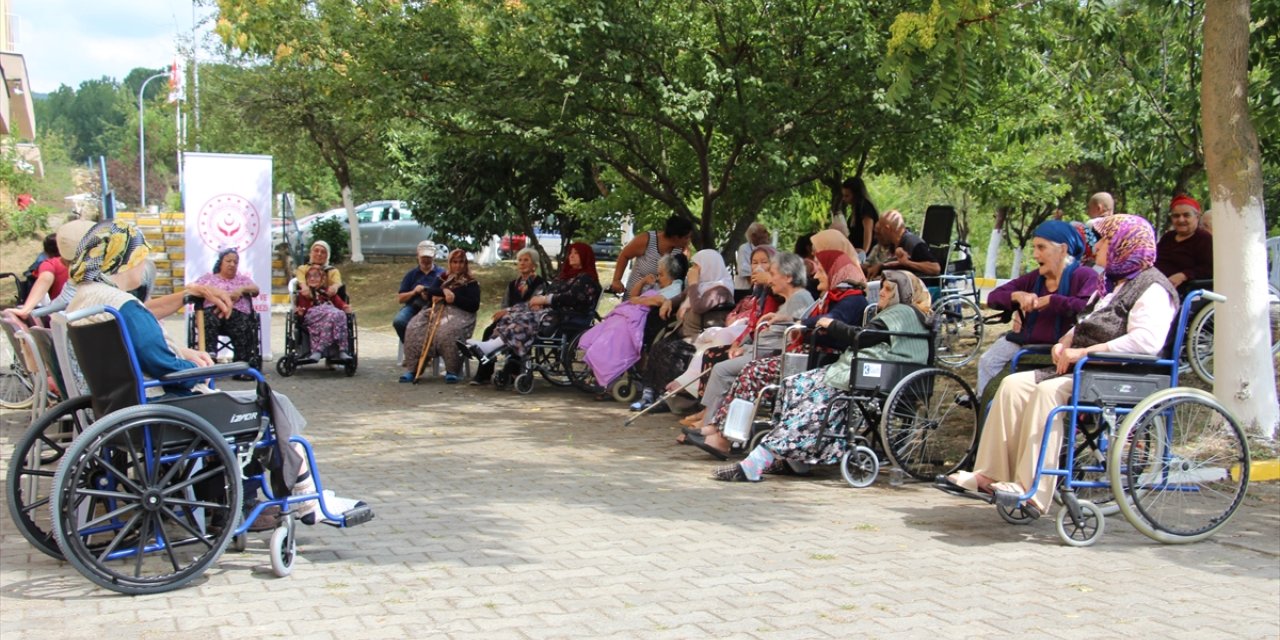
540	516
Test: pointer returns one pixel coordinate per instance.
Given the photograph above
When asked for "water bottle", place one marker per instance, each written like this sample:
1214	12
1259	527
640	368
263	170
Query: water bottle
897	477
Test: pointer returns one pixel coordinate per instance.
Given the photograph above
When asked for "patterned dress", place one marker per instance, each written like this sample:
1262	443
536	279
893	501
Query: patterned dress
458	322
576	297
240	326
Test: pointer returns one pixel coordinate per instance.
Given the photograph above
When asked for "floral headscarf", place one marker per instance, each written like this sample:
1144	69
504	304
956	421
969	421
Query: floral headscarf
1132	249
461	278
838	257
586	256
910	290
110	247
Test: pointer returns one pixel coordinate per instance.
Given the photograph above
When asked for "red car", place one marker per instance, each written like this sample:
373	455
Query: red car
509	245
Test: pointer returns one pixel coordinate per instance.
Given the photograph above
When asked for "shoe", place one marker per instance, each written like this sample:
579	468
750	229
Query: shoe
467	349
478	383
731	473
343	356
267	520
450	378
700	442
964	400
316	355
407	377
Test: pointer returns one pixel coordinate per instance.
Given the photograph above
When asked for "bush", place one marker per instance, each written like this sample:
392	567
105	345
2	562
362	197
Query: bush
335	234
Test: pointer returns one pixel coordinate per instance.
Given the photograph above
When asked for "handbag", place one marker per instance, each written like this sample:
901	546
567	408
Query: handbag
737	422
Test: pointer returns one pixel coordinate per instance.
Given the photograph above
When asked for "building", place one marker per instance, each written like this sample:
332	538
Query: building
17	115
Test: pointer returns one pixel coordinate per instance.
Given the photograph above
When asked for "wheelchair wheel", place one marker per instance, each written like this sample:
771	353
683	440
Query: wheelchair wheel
17	384
1018	515
1188	469
286	365
624	389
959	331
349	367
35	459
859	466
141	482
284	547
524	383
551	364
1086	531
577	369
924	429
1199	339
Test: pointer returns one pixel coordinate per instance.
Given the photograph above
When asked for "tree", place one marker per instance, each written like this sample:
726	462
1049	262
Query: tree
1245	379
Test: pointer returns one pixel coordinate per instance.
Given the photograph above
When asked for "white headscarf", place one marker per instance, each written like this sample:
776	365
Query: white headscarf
712	271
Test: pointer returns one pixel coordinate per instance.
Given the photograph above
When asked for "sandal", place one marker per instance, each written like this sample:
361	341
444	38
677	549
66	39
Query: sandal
701	443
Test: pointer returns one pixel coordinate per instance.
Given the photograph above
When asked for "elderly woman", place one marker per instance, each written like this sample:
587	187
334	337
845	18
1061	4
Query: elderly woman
1185	252
574	293
451	317
237	325
841	284
1049	297
111	260
704	304
1132	316
526	283
326	324
796	441
787	271
757	236
613	345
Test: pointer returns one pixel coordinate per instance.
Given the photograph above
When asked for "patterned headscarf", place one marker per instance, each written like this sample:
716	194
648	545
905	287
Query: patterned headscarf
217	264
838	257
910	290
461	278
1132	249
109	248
586	256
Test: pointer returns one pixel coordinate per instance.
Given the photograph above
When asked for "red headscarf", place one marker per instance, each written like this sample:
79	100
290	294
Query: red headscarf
586	256
1187	200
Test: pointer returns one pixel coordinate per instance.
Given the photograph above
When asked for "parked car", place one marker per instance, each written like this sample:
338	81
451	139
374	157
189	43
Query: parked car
606	249
387	227
510	245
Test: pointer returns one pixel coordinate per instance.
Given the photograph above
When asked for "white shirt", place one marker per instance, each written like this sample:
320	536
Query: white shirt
1149	321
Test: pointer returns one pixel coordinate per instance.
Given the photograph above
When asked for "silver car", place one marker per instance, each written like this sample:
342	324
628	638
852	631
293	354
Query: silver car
387	227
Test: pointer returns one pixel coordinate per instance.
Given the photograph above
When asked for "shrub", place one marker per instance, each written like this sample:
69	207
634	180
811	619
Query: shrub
335	234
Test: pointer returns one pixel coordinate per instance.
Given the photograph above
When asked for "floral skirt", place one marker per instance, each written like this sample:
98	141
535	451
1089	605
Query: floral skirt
326	327
240	327
755	376
455	324
798	435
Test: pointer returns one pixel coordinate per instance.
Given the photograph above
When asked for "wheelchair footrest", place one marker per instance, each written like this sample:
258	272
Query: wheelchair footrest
358	515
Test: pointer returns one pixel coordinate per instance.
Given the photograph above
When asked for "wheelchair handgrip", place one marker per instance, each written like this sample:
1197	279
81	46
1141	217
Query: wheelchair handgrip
49	309
214	371
85	313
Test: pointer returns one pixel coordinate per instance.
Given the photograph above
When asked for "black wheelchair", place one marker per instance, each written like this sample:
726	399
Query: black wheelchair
147	495
198	339
297	343
551	354
1171	459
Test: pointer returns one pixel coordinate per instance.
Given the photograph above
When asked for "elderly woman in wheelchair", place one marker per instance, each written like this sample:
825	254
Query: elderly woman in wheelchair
898	333
1132	316
176	456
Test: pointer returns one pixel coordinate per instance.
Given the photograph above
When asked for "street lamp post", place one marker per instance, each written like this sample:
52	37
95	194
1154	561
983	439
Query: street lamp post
142	143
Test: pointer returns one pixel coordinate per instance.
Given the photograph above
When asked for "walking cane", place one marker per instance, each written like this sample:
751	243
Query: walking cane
200	326
665	396
437	313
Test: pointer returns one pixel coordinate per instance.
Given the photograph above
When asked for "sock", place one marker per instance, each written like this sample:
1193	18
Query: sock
489	346
647	396
755	464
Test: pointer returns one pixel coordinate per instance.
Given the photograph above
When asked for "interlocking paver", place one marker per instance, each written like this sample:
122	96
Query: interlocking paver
540	516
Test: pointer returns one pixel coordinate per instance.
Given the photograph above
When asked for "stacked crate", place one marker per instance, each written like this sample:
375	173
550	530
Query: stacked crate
165	232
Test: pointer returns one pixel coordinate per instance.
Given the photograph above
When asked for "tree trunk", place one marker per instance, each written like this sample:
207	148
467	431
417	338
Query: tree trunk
1244	372
357	255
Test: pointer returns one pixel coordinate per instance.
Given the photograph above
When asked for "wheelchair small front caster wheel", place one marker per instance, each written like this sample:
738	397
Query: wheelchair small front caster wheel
624	390
524	383
1018	515
859	466
1086	531
284	547
286	365
240	543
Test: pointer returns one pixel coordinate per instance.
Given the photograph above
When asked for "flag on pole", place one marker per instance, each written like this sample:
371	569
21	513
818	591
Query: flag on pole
177	86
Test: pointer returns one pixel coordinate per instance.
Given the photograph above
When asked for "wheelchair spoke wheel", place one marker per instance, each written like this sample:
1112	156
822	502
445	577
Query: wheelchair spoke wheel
1199	347
859	466
31	469
550	362
1018	515
960	327
1187	469
581	374
1083	532
17	386
924	428
146	499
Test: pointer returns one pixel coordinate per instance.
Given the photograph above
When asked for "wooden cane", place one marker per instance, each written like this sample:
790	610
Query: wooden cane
437	314
666	396
200	327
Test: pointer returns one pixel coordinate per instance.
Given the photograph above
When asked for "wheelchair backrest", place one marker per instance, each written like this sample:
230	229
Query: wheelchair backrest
109	366
878	375
72	379
43	340
939	221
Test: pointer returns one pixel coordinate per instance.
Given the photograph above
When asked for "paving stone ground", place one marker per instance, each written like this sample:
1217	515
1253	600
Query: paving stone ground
540	516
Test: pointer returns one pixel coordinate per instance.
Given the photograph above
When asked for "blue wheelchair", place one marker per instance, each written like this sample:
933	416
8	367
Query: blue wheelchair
149	494
1171	459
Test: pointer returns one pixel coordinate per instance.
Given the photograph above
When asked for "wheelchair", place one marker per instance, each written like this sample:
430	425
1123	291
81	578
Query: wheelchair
297	344
196	335
22	385
628	386
1199	346
1171	459
958	305
151	493
551	355
904	412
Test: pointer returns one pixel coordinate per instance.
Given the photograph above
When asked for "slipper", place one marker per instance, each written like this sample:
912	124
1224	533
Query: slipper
944	483
731	473
701	443
689	431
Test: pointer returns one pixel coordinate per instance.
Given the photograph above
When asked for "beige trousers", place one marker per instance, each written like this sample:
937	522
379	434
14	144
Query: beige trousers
1013	432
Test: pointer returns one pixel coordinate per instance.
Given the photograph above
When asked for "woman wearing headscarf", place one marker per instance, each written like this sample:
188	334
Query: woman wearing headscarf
238	324
526	284
705	303
326	324
841	287
1132	315
459	293
796	441
112	260
1048	299
573	294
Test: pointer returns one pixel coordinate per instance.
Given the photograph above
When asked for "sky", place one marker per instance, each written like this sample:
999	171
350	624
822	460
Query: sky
70	41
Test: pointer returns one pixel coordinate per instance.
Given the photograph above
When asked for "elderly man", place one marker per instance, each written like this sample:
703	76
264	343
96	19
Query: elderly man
1185	252
909	252
1101	205
414	285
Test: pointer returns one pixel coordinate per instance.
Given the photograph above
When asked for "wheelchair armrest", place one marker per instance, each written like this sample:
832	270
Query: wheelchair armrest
215	371
49	309
1134	358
